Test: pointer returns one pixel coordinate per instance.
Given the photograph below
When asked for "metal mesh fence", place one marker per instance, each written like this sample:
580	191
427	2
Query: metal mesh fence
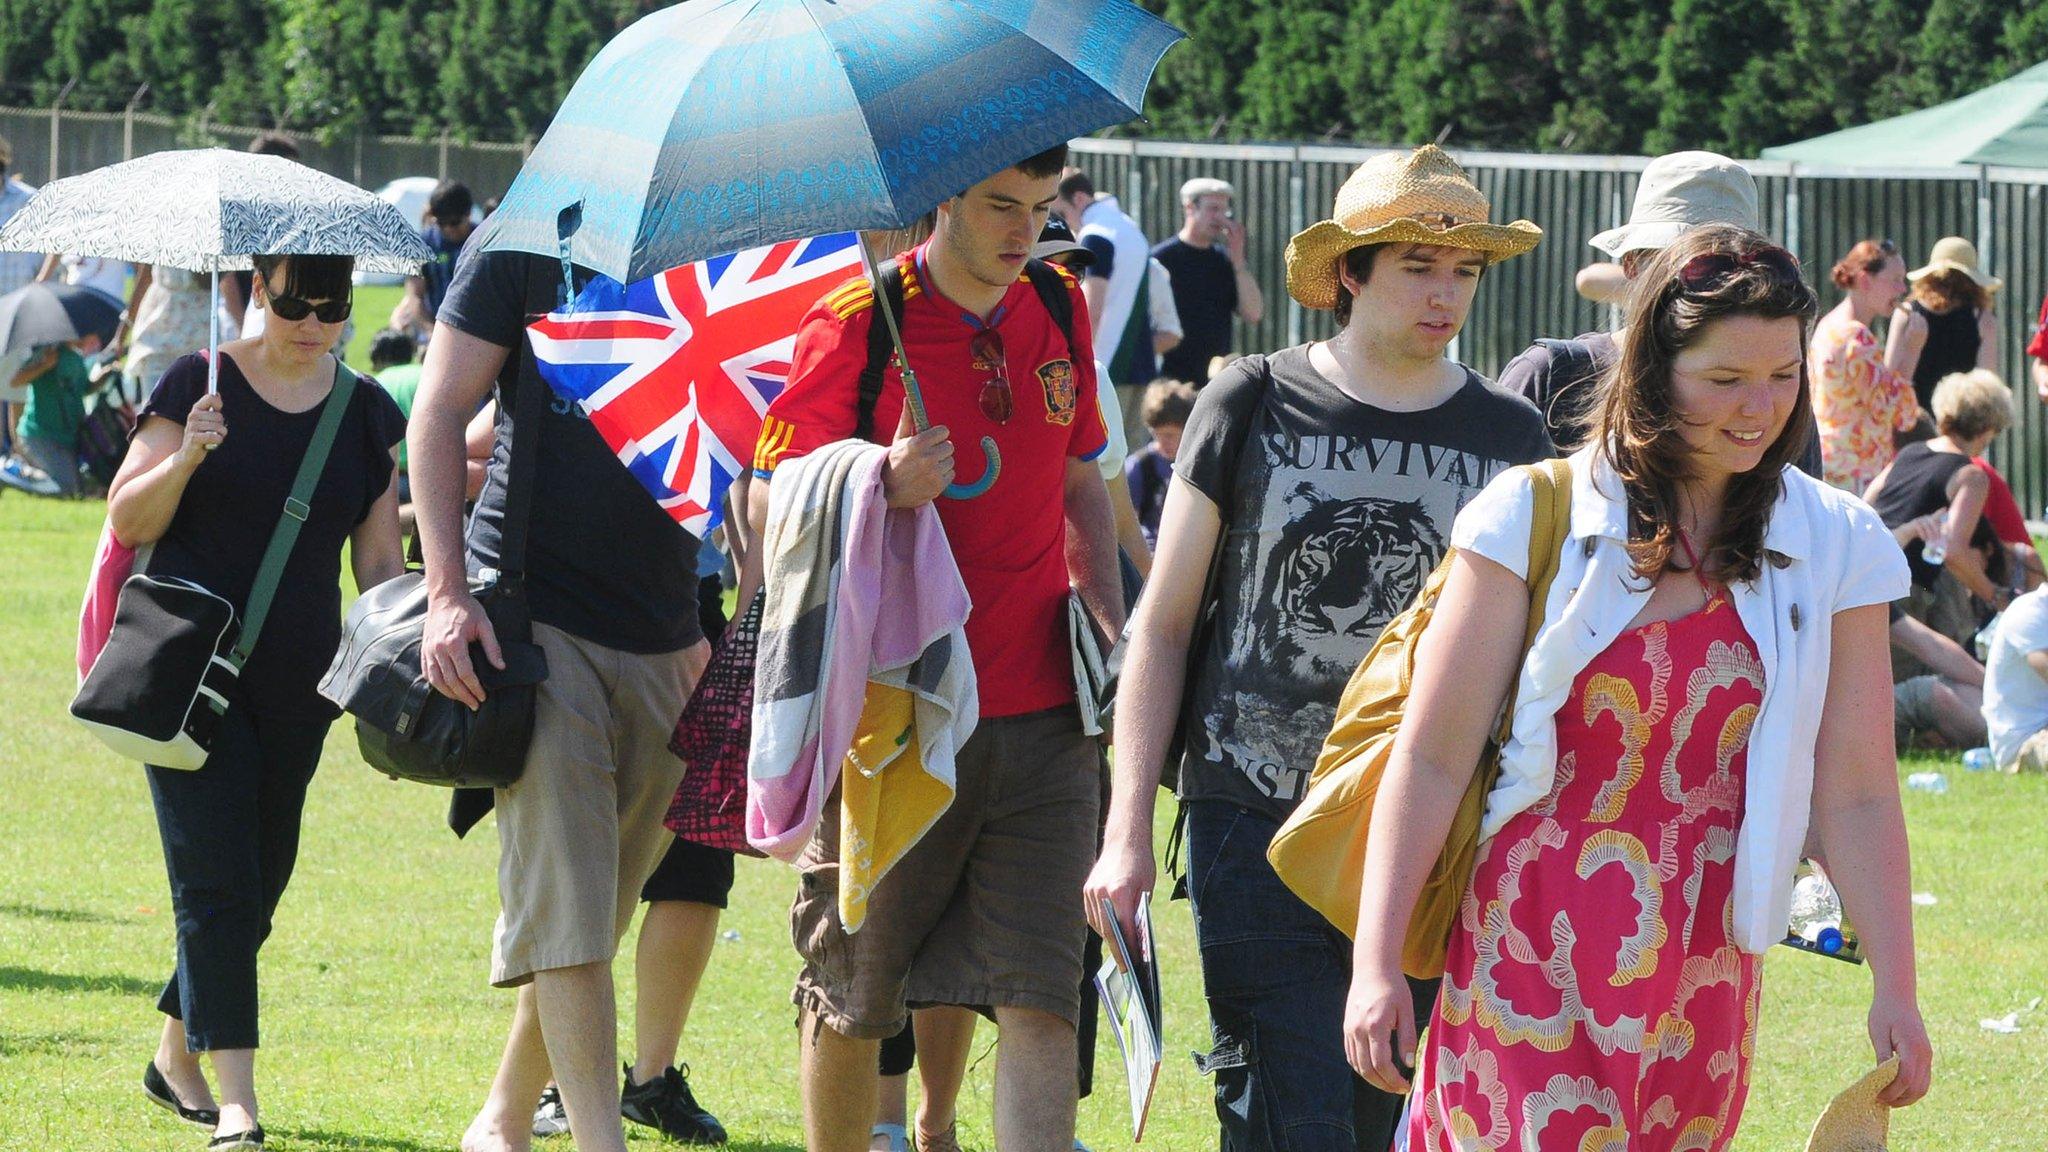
83	141
1819	213
1816	212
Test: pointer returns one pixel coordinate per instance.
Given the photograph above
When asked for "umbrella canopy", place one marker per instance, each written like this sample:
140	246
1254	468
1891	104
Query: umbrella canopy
54	313
716	126
209	210
2006	123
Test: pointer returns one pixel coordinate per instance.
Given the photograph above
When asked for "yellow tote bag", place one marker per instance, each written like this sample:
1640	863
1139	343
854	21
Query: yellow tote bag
1320	851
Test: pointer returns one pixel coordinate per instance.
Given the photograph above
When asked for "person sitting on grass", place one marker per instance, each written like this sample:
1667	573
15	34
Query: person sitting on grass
1955	594
1942	707
2016	685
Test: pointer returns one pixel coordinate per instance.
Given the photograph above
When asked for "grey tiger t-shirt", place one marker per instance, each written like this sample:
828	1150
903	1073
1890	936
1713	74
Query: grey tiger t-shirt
1337	511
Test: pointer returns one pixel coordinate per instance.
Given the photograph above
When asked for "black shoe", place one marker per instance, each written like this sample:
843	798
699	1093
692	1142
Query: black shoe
250	1140
666	1105
159	1092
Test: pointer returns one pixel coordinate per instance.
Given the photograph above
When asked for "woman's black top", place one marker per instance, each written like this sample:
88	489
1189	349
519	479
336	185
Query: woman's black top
1918	486
232	504
1951	346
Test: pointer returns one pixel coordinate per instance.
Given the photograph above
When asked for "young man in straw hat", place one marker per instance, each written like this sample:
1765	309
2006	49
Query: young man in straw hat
1332	472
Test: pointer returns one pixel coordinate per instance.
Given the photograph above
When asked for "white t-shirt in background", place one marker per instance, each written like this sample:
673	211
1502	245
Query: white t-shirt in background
2015	696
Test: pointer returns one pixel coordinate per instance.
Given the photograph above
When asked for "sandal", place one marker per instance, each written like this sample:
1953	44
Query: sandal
899	1136
943	1142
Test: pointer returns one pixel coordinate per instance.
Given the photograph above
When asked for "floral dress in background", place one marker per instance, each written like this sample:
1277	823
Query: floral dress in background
1858	401
174	319
1594	999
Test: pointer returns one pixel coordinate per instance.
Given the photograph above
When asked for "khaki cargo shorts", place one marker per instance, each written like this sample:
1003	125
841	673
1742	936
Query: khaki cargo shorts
984	911
582	828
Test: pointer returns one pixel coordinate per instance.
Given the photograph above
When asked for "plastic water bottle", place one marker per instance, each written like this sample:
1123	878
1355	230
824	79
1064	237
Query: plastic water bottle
1817	914
1979	760
1935	551
1817	923
1933	782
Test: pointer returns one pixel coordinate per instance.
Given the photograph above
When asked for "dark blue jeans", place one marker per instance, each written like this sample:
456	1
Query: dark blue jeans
1277	974
231	836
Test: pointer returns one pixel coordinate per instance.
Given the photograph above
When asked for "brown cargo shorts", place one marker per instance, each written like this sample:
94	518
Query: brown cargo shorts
984	911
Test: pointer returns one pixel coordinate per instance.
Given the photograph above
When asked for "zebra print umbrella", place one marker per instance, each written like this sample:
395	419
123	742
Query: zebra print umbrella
209	210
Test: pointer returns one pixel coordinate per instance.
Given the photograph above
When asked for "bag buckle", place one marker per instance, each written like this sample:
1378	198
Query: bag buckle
296	509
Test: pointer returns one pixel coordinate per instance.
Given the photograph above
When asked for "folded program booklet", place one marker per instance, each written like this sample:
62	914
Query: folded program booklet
1091	669
1129	983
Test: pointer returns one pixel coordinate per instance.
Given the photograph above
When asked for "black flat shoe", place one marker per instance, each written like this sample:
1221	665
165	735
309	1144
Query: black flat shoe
159	1092
251	1140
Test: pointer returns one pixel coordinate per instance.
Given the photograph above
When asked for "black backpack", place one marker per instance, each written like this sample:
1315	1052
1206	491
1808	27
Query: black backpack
1567	399
1052	292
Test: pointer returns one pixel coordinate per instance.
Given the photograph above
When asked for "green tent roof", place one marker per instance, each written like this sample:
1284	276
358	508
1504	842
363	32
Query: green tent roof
2006	123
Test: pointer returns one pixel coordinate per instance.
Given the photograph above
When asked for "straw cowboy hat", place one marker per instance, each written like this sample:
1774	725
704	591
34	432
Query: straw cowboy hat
1420	197
1856	1121
1683	190
1955	254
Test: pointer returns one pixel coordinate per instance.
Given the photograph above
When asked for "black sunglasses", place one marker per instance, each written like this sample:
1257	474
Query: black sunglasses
327	311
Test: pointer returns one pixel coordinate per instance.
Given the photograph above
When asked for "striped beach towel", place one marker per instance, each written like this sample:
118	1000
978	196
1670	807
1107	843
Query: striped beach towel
861	623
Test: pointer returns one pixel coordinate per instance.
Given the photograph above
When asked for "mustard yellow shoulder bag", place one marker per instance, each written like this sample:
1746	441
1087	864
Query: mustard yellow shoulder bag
1320	851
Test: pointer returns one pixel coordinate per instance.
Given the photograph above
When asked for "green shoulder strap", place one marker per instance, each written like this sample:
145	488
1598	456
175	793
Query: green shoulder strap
297	507
1549	525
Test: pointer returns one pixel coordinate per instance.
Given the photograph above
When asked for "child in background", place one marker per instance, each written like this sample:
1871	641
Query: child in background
57	381
1165	410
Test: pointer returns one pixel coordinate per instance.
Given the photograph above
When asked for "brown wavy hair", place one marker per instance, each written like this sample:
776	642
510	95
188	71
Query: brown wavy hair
1639	426
1947	290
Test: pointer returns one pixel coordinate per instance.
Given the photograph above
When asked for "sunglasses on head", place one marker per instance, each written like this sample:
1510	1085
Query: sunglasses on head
1710	270
986	351
327	311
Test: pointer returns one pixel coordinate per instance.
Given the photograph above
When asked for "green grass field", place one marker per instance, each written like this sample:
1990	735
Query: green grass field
381	1034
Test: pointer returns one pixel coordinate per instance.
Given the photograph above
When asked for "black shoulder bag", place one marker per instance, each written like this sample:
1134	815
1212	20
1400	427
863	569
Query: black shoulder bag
405	728
158	689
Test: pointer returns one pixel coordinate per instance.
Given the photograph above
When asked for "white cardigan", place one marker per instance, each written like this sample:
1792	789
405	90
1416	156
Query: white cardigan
1826	551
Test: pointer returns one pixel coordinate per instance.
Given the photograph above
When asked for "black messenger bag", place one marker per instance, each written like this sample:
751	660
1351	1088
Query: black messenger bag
405	728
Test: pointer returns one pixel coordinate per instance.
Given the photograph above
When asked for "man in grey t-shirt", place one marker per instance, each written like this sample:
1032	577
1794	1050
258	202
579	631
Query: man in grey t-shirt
1329	474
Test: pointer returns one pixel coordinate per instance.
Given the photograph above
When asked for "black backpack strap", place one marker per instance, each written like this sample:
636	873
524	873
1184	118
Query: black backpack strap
1052	292
530	399
880	350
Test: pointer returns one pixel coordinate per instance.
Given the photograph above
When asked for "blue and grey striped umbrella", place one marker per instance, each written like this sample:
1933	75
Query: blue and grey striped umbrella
720	125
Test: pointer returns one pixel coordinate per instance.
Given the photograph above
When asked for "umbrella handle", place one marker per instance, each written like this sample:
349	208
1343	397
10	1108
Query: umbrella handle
988	474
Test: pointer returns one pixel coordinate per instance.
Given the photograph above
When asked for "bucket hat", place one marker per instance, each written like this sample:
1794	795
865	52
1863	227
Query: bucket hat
1856	1120
1679	191
1955	254
1419	197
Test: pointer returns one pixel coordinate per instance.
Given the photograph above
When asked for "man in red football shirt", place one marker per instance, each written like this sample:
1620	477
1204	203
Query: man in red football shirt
985	911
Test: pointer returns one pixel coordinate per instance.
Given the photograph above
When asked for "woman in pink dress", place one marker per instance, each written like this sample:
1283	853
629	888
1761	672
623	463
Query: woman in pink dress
1710	676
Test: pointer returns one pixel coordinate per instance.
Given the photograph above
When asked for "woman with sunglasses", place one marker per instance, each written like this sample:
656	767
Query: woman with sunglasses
1859	401
207	502
1702	689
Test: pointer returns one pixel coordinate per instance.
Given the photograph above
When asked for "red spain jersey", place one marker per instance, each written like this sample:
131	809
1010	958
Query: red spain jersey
1010	543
